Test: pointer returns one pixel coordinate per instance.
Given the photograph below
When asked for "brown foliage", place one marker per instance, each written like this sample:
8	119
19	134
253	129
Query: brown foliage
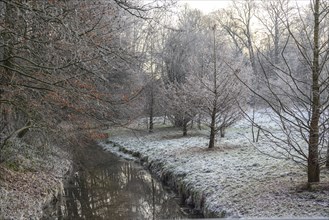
57	65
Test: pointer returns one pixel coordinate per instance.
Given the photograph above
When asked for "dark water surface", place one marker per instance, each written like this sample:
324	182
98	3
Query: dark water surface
112	188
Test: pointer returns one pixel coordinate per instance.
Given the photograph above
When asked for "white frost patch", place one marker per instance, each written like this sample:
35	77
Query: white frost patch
234	176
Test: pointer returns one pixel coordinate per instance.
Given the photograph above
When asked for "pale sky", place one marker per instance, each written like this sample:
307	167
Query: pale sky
207	6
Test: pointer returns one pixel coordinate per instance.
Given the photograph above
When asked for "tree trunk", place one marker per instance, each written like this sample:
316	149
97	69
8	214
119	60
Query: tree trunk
152	91
276	41
252	124
178	122
313	170
327	158
6	52
212	129
151	123
214	109
258	133
151	107
211	139
8	38
151	116
222	131
185	129
199	122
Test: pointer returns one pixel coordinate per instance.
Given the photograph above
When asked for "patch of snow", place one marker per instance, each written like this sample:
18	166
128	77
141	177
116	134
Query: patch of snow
234	177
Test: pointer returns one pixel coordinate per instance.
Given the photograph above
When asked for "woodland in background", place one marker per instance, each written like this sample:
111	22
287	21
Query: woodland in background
68	69
73	68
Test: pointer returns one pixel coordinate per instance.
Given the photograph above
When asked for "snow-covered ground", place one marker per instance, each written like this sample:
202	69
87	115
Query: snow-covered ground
234	179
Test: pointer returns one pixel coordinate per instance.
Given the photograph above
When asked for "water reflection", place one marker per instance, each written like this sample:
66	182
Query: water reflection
117	189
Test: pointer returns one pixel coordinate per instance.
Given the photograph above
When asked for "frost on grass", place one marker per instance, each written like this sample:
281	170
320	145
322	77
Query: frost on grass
29	181
234	179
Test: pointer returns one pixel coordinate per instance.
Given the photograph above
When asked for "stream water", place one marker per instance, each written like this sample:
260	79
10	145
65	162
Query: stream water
113	188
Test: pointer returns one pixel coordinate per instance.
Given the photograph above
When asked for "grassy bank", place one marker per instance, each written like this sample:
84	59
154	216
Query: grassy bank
234	179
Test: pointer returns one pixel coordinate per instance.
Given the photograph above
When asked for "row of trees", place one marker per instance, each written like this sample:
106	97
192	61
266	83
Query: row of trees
74	67
190	77
270	55
67	68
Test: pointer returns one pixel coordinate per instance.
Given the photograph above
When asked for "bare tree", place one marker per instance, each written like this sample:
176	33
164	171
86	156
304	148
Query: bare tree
65	61
181	50
271	19
220	90
182	101
237	22
296	99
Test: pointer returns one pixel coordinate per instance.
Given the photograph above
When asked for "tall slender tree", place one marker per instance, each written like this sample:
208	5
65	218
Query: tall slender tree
297	100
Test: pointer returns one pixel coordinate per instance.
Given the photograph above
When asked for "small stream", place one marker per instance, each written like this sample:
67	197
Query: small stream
113	188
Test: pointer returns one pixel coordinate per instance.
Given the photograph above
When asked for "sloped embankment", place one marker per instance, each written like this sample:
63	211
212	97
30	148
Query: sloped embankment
30	180
230	180
190	194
